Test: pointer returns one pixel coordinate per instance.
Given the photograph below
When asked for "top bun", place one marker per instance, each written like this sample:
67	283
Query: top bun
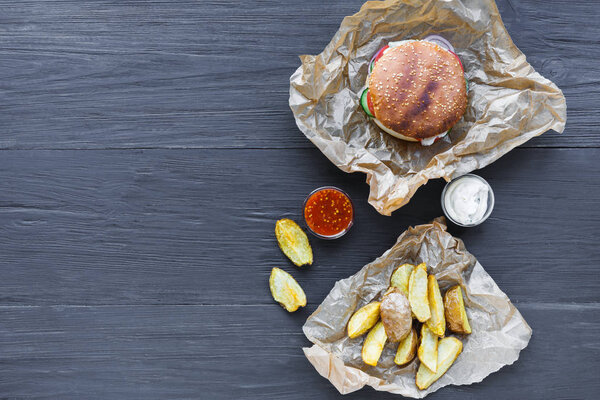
418	89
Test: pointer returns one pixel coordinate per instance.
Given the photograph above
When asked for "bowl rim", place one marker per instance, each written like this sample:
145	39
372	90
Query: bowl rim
337	235
491	201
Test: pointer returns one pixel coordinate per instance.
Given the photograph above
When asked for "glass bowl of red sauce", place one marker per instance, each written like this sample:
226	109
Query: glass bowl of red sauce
328	212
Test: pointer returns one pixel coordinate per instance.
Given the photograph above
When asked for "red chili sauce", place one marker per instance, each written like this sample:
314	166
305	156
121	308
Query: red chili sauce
328	212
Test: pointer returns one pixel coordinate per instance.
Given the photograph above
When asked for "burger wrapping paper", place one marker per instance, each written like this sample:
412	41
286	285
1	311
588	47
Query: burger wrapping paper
508	101
499	332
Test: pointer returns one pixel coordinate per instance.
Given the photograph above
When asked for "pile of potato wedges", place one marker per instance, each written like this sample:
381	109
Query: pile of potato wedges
413	314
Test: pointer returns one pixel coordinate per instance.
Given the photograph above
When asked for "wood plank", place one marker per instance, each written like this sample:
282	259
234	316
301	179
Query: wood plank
196	226
226	352
214	74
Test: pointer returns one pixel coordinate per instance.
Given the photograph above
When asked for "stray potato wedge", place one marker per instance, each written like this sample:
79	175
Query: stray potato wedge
448	350
293	242
401	276
417	294
286	291
428	349
373	345
407	348
363	319
456	315
395	315
437	322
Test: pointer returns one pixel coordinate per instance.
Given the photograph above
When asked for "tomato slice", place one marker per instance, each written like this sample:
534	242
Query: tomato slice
461	66
380	53
366	104
377	56
370	103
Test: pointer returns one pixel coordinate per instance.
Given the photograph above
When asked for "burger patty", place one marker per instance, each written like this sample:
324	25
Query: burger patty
418	89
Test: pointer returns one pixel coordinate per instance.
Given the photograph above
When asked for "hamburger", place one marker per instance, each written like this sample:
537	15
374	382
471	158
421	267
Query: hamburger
416	89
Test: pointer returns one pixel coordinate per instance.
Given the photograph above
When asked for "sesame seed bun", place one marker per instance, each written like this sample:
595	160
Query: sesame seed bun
418	90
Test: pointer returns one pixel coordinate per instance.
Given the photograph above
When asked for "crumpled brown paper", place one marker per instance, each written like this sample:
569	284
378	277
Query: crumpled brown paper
509	103
499	332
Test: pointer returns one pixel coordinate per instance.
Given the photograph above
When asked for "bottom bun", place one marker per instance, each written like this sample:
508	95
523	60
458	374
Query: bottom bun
424	141
394	133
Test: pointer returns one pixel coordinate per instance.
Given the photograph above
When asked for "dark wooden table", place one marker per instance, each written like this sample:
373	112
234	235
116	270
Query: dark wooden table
147	151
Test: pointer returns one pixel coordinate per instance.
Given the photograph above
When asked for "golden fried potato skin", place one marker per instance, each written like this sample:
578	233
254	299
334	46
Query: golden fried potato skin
396	315
401	276
373	345
448	350
363	319
428	348
417	294
285	290
407	348
437	322
293	242
456	315
423	266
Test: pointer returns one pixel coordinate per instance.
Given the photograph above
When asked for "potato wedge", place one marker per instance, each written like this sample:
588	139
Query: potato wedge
448	350
286	291
395	315
417	294
407	348
456	315
401	276
437	322
293	242
363	319
373	345
423	266
428	348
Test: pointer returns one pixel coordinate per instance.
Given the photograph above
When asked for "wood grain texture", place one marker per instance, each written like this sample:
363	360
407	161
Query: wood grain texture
214	74
197	226
225	352
147	149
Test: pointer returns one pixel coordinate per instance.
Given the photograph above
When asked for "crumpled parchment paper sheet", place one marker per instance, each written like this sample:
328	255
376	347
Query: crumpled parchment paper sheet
509	103
499	332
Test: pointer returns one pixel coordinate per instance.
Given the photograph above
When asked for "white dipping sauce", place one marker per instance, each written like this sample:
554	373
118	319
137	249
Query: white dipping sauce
466	200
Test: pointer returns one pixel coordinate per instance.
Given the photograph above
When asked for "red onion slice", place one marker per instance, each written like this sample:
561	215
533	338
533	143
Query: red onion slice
440	41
